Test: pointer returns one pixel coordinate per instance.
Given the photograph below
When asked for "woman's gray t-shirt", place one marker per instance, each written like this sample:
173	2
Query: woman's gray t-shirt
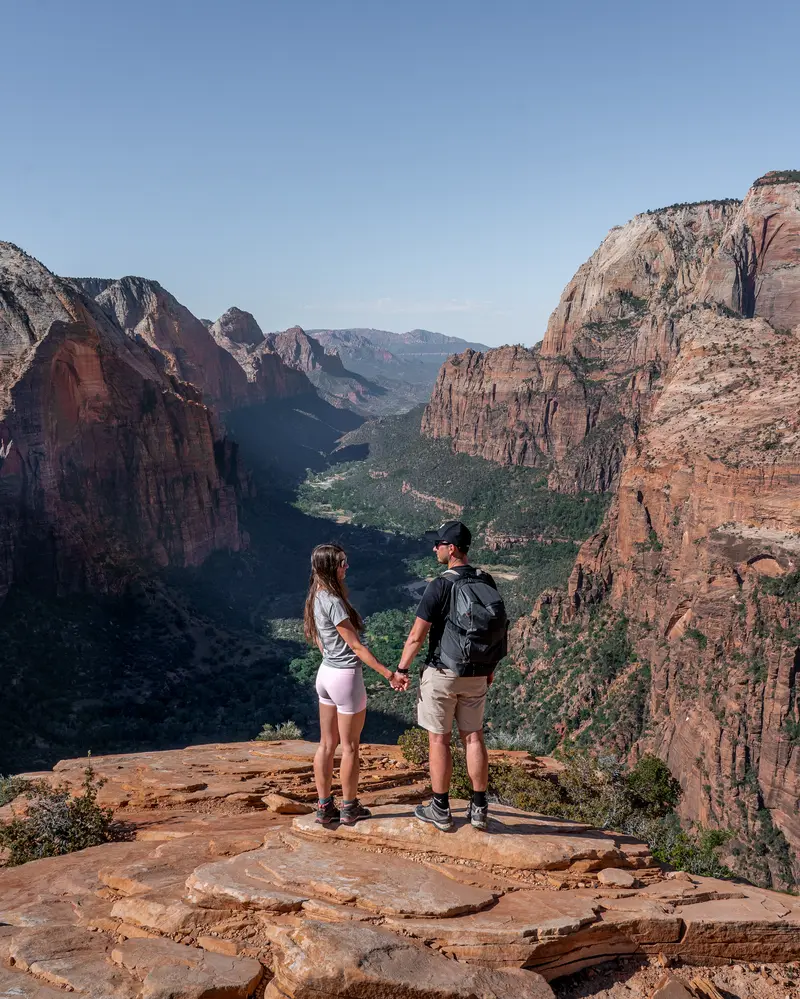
329	610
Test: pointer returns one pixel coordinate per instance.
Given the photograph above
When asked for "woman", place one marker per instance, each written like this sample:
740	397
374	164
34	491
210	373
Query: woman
333	624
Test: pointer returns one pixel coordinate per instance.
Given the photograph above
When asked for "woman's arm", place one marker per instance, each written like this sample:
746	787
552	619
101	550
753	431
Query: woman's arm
350	635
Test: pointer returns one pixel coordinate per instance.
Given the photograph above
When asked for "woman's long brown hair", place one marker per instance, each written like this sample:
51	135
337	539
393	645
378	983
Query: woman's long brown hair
325	560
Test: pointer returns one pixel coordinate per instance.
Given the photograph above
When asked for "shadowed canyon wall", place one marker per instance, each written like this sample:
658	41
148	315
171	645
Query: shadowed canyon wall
108	460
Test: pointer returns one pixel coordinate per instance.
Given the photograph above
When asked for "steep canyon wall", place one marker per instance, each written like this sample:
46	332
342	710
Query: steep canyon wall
699	559
108	459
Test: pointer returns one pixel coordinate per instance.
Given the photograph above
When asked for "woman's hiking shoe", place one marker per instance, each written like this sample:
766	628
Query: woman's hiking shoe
441	817
477	815
352	811
327	812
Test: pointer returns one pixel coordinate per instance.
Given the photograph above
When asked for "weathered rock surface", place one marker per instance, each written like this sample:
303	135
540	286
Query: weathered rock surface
106	461
573	403
359	961
231	775
700	553
228	371
756	271
239	327
328	872
523	842
166	969
207	904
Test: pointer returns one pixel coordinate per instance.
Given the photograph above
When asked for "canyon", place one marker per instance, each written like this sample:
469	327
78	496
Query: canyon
667	378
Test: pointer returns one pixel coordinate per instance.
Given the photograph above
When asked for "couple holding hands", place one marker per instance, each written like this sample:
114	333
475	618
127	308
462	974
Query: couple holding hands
463	617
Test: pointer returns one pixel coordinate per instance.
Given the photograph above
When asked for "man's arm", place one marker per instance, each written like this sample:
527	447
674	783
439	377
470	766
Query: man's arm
414	642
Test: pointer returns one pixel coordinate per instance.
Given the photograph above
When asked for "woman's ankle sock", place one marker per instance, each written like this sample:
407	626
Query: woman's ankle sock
326	801
442	800
479	799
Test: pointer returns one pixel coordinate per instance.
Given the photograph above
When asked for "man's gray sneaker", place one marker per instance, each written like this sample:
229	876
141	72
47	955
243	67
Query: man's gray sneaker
440	817
477	815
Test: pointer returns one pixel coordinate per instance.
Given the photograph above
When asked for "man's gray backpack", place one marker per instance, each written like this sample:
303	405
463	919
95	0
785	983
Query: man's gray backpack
475	636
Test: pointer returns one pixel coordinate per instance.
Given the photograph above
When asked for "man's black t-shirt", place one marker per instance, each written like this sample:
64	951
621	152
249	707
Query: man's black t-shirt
435	604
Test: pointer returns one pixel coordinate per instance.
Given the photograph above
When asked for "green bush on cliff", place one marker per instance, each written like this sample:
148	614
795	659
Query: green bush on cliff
786	587
275	733
12	787
57	822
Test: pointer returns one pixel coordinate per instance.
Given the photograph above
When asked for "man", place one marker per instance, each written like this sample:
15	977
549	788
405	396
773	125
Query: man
457	674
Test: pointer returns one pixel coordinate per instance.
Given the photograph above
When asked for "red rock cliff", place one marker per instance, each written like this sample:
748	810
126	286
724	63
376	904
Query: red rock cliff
756	271
704	546
107	462
574	403
701	556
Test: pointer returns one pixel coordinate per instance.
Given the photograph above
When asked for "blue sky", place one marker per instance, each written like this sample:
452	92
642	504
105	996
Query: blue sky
438	164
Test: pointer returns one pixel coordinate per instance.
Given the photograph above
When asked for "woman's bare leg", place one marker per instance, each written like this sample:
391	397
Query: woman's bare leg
350	727
328	741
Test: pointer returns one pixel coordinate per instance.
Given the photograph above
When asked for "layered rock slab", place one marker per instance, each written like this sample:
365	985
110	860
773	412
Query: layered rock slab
335	912
519	840
220	775
268	877
167	969
360	962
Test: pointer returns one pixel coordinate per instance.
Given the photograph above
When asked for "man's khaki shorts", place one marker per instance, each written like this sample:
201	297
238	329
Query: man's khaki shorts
443	695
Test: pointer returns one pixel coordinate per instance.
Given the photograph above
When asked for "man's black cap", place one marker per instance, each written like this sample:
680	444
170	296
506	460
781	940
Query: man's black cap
452	532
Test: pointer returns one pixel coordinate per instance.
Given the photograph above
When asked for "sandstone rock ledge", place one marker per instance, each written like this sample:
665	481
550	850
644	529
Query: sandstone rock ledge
227	903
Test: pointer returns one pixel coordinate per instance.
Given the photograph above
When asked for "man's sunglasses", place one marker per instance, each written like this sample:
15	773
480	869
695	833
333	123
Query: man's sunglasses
438	544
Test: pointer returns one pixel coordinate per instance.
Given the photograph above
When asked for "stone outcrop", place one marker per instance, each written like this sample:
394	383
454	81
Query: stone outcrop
108	460
574	403
217	900
239	327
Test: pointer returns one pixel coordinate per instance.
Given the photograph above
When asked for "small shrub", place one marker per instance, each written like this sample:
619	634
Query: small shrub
56	822
651	788
694	852
515	741
414	745
12	787
696	635
287	730
791	728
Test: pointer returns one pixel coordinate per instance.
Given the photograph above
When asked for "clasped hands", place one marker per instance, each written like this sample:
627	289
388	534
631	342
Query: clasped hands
399	681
